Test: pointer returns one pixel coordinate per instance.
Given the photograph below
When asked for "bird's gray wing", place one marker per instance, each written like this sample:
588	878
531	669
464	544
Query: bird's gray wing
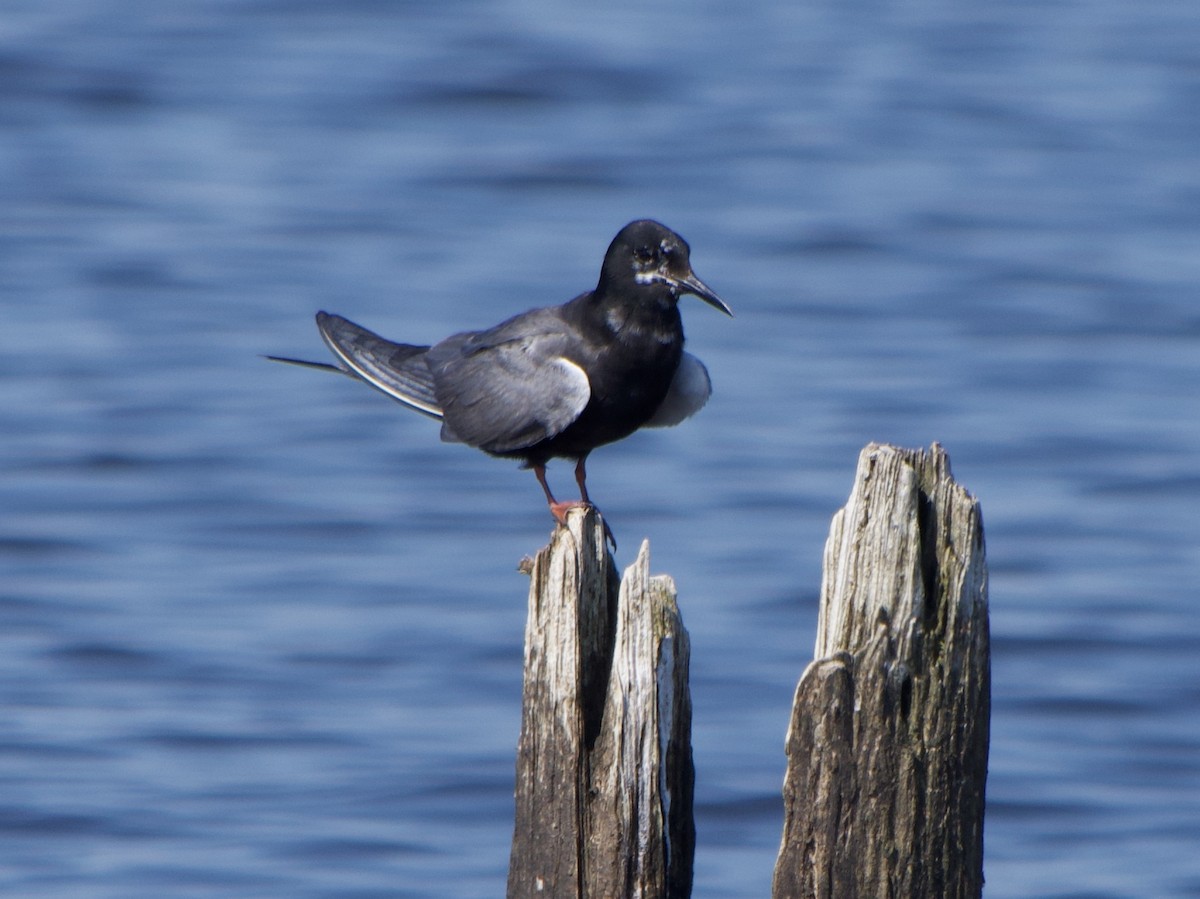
689	391
511	387
397	369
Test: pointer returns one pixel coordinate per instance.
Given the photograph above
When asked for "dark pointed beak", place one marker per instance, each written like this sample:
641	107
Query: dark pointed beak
689	283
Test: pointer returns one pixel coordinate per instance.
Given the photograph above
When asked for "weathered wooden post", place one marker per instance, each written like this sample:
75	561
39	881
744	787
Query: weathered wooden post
604	762
888	743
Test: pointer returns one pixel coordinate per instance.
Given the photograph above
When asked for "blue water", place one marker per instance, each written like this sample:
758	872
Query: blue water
260	632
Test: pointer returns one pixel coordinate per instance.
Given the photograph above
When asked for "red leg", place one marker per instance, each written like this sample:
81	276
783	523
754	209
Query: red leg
539	472
581	479
557	509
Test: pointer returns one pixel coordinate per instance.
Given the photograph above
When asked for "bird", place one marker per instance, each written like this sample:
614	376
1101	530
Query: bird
558	381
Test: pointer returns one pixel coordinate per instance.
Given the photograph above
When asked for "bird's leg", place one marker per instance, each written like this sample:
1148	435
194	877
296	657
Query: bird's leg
559	510
581	479
539	472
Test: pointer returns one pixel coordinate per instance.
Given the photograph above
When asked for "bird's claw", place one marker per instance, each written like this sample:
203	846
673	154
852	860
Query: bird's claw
559	511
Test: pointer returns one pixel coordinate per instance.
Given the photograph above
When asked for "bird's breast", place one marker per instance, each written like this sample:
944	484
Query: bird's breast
627	386
643	326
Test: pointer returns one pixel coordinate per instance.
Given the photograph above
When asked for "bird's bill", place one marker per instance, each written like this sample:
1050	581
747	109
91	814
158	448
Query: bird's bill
693	285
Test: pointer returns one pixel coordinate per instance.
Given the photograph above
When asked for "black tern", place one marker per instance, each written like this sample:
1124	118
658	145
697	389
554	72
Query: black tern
555	382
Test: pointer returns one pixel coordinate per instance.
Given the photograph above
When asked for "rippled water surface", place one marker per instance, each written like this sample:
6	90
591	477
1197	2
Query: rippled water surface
260	632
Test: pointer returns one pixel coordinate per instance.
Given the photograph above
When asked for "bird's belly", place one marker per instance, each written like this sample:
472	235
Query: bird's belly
609	416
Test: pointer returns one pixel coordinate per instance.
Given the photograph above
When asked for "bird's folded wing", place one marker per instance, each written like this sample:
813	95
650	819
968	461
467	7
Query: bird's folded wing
397	369
506	390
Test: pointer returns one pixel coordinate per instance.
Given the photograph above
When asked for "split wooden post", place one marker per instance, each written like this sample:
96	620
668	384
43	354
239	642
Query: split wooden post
888	743
604	763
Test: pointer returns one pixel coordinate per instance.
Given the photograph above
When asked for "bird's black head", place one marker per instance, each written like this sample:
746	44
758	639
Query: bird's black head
647	256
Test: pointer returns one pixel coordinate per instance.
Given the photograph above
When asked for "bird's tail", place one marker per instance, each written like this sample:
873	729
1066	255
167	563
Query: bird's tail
397	369
305	363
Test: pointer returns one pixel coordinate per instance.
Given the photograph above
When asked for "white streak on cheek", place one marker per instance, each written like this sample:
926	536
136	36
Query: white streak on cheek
649	278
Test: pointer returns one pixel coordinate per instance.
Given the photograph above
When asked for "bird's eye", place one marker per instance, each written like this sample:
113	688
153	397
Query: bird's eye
643	254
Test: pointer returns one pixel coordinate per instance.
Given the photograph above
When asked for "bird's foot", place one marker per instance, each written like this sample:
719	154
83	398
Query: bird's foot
559	511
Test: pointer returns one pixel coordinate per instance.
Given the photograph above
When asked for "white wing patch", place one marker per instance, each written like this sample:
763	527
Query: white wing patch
689	391
575	393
